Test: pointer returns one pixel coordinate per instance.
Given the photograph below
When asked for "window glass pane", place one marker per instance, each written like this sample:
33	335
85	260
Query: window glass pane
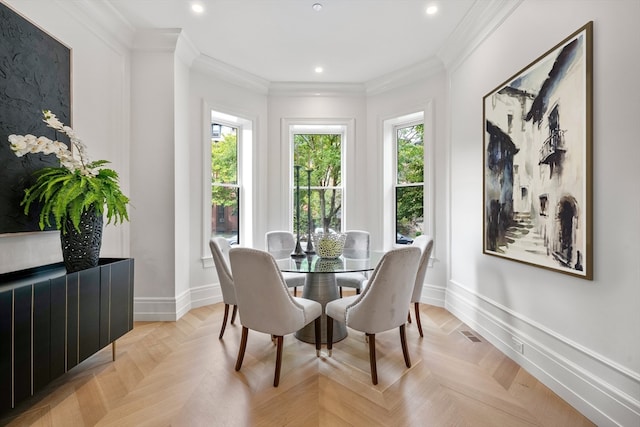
224	154
224	213
410	154
225	207
320	158
409	213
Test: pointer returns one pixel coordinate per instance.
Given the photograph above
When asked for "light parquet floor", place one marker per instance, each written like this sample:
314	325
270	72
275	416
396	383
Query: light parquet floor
180	374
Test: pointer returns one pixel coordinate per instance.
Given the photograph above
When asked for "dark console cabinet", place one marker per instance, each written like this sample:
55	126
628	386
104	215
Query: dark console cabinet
51	321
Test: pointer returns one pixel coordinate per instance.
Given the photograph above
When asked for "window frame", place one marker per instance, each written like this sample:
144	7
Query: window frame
424	115
345	127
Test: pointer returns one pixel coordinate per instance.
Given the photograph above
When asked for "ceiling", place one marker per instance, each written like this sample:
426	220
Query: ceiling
354	41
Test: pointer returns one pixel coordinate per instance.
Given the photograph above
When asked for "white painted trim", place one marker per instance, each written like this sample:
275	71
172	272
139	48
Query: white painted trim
231	74
406	76
162	309
601	389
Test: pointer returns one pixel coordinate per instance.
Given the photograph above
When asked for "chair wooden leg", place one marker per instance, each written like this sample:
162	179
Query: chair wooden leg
329	335
233	314
318	331
224	320
276	376
340	291
295	291
372	358
417	311
409	316
405	349
357	291
243	346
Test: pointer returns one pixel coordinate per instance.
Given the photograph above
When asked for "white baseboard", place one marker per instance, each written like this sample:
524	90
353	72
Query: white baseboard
433	295
150	309
604	391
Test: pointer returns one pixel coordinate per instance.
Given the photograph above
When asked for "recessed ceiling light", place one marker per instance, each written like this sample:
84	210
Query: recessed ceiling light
431	10
197	8
318	70
317	7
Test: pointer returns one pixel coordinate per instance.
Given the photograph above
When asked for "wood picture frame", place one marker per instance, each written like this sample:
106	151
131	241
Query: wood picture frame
537	161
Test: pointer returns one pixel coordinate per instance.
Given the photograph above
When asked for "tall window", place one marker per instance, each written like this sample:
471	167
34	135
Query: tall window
225	189
318	151
409	181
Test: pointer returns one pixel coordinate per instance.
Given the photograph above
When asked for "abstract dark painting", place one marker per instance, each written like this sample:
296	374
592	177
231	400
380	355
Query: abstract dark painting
537	129
35	75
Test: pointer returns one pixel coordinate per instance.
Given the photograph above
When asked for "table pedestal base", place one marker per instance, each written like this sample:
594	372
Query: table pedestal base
321	287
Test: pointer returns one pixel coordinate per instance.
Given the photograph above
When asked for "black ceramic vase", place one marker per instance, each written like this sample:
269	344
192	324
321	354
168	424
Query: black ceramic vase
81	249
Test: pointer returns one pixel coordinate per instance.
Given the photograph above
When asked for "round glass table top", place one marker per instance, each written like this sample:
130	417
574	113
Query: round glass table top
349	261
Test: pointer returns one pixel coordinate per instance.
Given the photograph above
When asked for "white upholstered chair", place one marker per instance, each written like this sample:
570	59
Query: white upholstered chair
382	305
265	303
283	241
355	246
220	251
425	243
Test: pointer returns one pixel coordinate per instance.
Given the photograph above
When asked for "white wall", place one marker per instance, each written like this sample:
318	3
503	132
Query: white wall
430	91
580	337
100	111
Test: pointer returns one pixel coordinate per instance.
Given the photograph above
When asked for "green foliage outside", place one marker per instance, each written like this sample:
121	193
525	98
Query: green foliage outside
224	170
322	154
410	199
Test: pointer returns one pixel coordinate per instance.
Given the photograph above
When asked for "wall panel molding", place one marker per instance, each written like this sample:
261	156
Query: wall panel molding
601	389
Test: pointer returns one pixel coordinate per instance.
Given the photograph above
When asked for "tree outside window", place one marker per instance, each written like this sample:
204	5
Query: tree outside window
322	154
225	190
409	185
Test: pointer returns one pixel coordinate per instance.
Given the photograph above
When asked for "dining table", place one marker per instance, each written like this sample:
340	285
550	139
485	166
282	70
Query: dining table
320	282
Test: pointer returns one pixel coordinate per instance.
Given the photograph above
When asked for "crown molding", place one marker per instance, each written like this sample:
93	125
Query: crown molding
102	19
231	74
482	19
411	74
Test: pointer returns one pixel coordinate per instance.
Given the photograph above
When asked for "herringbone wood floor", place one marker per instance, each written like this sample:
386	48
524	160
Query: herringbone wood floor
180	374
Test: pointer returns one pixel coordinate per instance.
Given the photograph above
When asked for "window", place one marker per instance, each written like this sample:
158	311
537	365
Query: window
225	188
318	151
408	208
409	181
227	174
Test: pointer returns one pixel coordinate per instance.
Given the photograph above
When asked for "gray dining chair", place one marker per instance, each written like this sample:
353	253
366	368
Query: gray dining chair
356	245
265	303
382	305
285	242
220	252
425	243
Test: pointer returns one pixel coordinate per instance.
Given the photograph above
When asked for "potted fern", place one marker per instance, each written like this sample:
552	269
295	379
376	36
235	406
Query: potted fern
73	196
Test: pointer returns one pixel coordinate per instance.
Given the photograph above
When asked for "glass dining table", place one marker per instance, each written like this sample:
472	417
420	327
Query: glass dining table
320	282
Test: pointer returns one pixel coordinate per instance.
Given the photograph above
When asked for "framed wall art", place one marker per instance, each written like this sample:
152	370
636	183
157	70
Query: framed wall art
537	128
35	75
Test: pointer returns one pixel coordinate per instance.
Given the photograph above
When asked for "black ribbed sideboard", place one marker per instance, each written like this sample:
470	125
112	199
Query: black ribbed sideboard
50	321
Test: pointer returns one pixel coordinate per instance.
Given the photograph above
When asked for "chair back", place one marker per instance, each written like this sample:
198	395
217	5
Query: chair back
357	241
383	303
425	243
264	301
276	241
220	252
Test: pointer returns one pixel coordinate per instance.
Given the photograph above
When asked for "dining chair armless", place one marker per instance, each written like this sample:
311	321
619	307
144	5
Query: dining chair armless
265	303
425	243
382	305
284	241
356	245
220	252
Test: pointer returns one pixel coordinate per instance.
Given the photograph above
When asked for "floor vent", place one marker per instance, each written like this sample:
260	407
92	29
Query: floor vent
469	335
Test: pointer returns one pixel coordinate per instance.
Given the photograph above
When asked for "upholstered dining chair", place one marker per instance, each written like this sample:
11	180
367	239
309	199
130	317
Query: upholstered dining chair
425	243
220	252
356	245
283	241
382	305
265	303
